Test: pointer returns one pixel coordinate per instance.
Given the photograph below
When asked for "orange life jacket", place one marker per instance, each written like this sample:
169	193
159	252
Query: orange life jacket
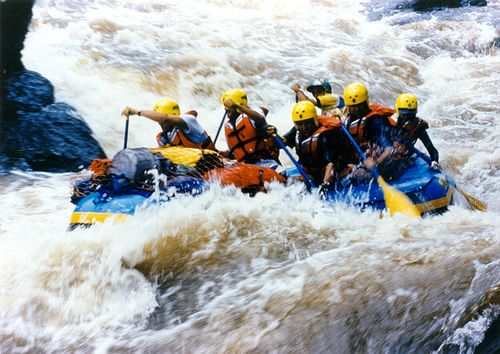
411	129
308	148
178	138
244	142
358	127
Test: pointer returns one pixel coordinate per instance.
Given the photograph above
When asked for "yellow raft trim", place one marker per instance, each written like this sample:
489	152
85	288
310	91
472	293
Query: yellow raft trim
436	203
92	218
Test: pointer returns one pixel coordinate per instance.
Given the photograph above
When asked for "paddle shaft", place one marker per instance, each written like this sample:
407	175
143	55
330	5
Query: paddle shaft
474	202
395	200
220	127
358	149
308	179
125	138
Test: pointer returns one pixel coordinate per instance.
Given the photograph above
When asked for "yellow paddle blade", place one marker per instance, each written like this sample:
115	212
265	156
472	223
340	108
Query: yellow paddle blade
475	203
396	201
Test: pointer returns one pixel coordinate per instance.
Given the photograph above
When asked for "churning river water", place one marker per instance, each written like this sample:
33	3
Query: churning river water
283	271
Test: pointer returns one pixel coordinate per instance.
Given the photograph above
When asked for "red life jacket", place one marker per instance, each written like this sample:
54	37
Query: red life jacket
358	128
308	148
245	144
178	138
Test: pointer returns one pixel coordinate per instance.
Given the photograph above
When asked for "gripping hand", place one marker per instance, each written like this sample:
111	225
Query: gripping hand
128	111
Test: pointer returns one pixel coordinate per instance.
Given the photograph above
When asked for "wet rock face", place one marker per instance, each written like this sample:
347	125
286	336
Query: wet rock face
55	139
377	9
430	5
15	17
27	91
35	132
42	135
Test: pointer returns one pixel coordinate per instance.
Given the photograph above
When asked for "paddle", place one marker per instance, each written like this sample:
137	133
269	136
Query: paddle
308	180
473	202
220	127
125	139
395	200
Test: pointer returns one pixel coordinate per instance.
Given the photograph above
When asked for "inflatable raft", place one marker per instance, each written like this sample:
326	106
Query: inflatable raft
431	191
117	189
108	205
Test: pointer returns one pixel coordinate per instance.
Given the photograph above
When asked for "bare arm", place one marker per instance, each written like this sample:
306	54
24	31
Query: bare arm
253	115
301	96
328	172
370	162
165	120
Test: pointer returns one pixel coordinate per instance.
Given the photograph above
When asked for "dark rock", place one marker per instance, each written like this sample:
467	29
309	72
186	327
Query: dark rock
377	9
27	91
427	5
15	17
35	133
56	139
430	5
8	164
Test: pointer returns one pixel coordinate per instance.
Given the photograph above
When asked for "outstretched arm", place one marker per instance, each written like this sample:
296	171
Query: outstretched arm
426	140
258	118
165	120
301	96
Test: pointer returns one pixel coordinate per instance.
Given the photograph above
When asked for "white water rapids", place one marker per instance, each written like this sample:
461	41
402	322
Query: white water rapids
283	271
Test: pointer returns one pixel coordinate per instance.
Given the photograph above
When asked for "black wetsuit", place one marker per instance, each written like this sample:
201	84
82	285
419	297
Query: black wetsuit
407	132
379	135
332	146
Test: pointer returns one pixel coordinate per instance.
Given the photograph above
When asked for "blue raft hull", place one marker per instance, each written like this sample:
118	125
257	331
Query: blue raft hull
431	191
106	205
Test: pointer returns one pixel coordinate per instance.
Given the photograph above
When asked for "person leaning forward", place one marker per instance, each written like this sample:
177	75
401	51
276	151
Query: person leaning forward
177	129
368	124
248	135
410	128
323	150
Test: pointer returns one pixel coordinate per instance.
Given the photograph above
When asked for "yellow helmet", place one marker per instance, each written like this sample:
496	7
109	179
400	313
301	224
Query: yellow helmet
406	101
237	95
304	110
167	107
355	93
